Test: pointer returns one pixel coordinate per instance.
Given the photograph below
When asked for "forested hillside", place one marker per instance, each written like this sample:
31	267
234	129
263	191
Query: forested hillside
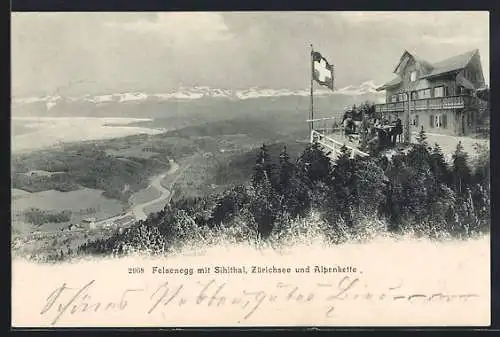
414	191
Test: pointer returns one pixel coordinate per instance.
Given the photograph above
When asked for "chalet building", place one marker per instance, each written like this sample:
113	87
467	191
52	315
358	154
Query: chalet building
440	96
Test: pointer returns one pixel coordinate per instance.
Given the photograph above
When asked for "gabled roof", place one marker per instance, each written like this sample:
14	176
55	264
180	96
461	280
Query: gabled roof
427	65
402	59
451	64
454	63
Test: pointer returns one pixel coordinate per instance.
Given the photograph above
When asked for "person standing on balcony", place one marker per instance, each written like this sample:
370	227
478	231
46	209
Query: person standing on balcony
398	130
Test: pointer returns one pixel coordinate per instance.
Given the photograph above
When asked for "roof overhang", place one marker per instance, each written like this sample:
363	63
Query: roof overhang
465	83
395	82
446	73
384	87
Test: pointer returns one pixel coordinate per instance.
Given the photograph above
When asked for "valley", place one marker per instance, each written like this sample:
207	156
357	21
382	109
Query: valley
164	151
121	180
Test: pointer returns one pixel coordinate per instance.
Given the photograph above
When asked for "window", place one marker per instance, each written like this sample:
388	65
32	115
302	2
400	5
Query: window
464	91
414	95
400	97
437	121
425	93
439	91
394	98
413	76
415	120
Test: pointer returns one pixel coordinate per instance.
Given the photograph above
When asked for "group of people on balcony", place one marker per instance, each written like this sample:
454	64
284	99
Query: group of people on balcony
378	131
387	132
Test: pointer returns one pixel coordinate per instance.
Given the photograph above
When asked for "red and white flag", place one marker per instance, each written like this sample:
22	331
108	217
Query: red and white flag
322	70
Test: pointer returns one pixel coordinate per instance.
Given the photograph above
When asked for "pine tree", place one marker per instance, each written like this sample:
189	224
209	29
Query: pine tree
342	194
314	165
461	170
422	138
263	166
264	207
286	170
481	164
419	158
439	166
228	205
264	203
369	185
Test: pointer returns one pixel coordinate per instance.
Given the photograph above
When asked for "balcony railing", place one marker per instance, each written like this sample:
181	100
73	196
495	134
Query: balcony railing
449	102
390	107
334	145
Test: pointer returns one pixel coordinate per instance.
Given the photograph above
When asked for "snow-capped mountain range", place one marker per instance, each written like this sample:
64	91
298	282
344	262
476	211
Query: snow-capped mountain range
200	92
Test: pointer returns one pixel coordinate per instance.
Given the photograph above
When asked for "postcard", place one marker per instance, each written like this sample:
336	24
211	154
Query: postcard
250	169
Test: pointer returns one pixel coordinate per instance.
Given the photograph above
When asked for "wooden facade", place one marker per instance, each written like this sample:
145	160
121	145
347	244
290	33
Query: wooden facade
440	96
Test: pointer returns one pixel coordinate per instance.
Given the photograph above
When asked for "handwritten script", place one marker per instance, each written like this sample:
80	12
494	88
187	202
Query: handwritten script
71	300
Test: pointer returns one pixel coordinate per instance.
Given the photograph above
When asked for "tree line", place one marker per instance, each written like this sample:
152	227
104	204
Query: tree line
415	190
86	166
40	217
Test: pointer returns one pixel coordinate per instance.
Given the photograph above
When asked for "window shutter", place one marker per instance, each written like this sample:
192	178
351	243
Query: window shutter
431	124
444	121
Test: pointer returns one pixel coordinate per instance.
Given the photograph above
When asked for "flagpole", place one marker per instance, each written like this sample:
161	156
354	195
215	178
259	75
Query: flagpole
311	126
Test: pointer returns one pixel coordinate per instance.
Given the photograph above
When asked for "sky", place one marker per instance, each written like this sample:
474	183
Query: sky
105	52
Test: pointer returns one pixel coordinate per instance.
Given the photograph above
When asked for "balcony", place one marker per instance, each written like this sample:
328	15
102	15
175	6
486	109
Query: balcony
390	107
449	102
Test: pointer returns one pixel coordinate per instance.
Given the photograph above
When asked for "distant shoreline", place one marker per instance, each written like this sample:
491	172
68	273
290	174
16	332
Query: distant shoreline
45	133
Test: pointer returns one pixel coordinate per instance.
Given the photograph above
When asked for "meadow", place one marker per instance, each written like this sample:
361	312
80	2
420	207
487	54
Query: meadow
81	203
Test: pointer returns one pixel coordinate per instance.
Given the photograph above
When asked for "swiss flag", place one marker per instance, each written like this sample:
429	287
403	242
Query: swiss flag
322	70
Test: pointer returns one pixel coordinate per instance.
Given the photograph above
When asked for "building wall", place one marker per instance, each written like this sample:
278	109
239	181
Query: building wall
453	121
422	84
405	76
449	82
453	116
474	72
470	115
422	118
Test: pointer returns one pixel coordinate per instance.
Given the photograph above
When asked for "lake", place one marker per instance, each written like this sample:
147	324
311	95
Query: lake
34	133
